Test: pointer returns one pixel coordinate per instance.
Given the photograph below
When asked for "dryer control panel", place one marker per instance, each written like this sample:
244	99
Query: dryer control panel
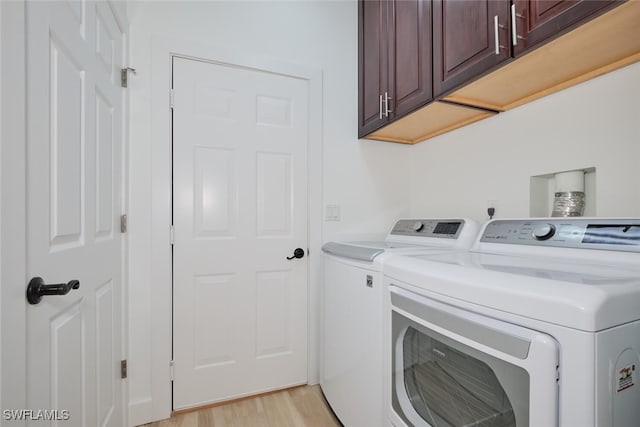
586	233
443	228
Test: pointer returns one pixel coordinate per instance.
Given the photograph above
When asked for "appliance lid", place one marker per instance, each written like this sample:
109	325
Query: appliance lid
566	270
386	245
579	295
369	250
353	251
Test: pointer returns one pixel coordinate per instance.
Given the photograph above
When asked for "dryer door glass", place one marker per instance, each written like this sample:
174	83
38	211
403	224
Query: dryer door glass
440	382
451	387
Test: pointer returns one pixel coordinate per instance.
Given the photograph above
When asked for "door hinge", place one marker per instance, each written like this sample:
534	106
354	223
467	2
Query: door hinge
123	369
171	371
124	75
172	235
123	223
171	98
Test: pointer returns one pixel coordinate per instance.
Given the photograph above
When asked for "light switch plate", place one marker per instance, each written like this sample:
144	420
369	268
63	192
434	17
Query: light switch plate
332	213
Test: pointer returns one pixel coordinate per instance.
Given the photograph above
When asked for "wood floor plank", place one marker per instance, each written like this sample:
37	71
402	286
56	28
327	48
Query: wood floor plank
296	407
312	406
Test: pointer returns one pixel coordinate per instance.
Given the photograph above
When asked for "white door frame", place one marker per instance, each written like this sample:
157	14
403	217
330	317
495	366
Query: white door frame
13	205
163	50
13	394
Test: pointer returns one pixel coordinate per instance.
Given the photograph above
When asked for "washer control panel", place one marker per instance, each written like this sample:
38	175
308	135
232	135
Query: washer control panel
443	228
614	234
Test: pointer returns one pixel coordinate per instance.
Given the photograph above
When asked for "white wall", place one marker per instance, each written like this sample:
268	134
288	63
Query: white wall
367	179
594	124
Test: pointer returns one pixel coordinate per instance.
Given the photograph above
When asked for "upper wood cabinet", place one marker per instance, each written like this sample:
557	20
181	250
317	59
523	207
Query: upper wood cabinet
605	43
372	65
395	70
473	37
536	21
470	37
410	69
430	66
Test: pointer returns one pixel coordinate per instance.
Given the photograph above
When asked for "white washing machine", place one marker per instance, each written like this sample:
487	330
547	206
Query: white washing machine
351	360
538	325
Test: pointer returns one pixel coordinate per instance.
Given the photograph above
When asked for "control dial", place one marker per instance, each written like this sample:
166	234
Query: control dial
544	231
417	226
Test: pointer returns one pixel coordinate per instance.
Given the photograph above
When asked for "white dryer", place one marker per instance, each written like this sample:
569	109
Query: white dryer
537	325
352	294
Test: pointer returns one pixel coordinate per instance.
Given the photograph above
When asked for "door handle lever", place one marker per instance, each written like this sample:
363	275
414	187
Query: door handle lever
298	253
36	289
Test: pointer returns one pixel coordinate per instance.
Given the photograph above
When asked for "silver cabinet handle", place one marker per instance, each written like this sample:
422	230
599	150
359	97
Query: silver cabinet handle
496	26
380	108
387	110
495	33
514	31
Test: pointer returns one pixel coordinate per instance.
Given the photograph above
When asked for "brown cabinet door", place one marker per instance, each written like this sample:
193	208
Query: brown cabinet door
372	64
410	52
540	20
464	36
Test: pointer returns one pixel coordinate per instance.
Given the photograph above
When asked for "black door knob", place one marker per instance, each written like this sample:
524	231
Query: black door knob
298	253
36	289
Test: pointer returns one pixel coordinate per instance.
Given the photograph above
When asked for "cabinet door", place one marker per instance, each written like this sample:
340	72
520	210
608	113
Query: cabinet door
372	64
410	71
465	34
540	20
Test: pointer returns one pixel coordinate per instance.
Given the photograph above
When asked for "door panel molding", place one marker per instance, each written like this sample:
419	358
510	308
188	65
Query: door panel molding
158	404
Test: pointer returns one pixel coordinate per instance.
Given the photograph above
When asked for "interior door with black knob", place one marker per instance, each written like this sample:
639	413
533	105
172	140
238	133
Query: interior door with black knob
240	209
74	158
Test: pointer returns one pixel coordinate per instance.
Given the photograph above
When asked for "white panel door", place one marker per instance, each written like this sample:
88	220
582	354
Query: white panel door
240	209
74	115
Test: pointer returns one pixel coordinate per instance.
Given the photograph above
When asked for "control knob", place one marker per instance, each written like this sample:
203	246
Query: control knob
544	231
417	226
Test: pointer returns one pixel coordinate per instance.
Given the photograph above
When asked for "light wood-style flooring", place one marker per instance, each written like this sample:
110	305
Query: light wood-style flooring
295	407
